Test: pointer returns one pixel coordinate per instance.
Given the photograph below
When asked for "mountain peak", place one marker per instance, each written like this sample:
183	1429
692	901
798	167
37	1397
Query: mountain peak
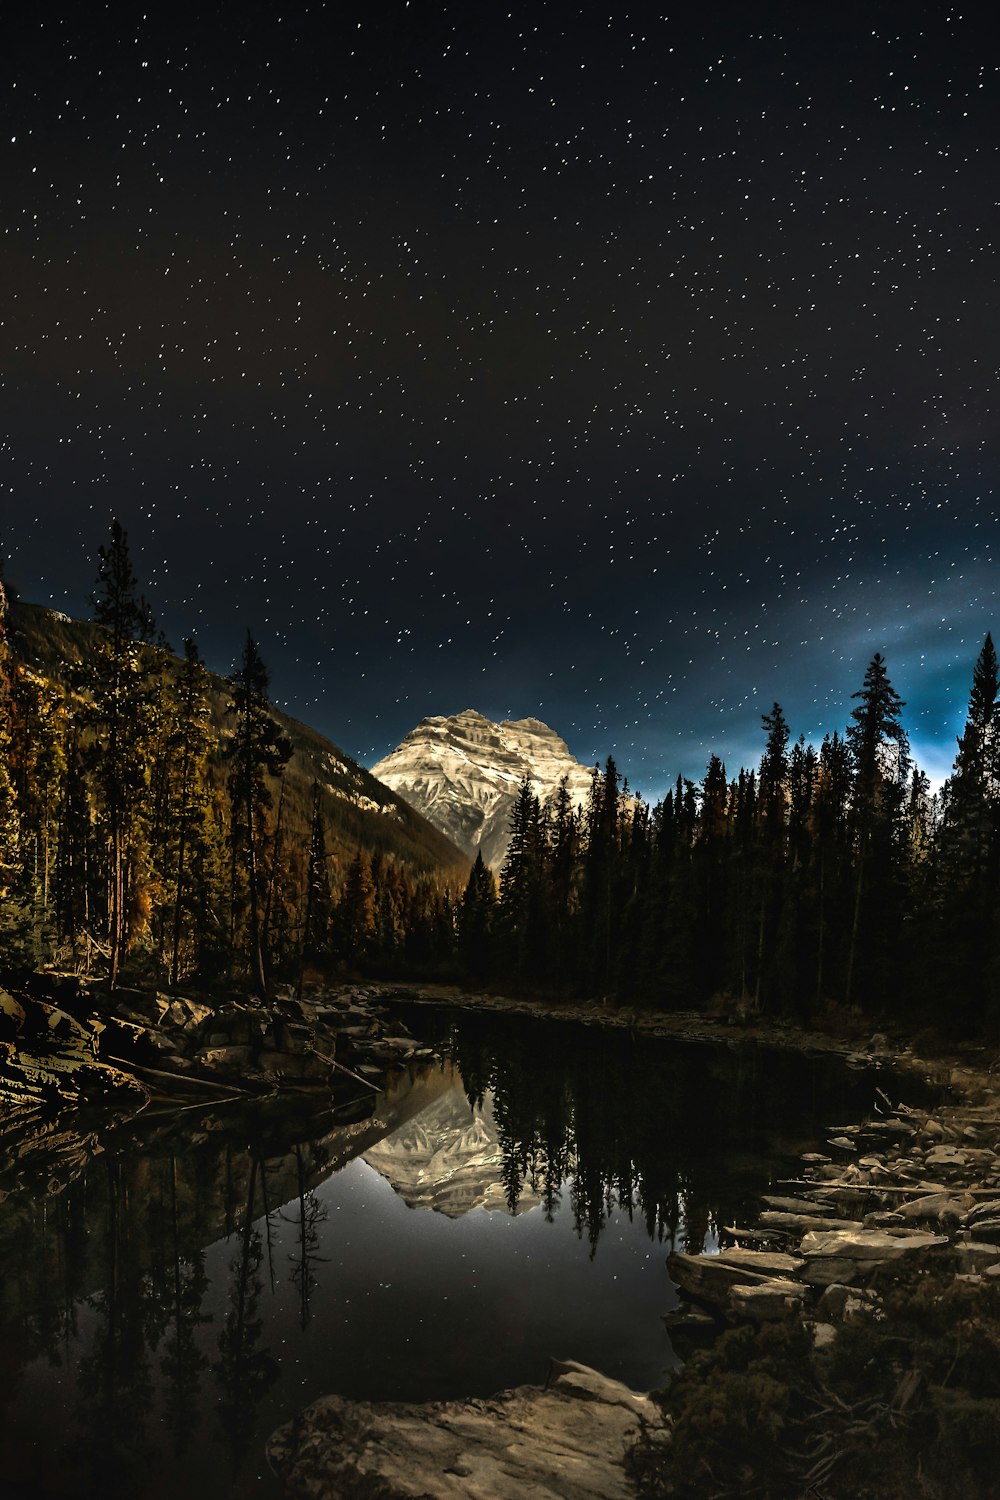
462	772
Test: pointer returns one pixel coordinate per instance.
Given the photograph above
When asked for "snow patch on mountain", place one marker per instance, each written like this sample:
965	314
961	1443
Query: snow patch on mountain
462	773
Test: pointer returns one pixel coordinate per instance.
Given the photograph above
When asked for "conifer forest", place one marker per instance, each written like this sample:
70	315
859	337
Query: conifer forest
148	829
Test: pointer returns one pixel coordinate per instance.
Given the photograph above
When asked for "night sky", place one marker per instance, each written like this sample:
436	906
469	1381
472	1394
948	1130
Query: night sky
624	367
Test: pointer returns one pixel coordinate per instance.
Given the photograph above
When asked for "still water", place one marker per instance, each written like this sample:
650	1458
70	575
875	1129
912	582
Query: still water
173	1288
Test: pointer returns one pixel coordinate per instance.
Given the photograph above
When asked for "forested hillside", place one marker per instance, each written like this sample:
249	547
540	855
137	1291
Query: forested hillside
157	818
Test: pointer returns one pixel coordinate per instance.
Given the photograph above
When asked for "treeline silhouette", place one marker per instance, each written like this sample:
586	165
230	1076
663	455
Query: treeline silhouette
823	877
136	832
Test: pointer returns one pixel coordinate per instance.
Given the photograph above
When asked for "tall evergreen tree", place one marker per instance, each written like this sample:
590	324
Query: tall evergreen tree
8	802
962	953
319	900
188	747
256	749
476	919
772	806
973	790
121	714
880	760
522	884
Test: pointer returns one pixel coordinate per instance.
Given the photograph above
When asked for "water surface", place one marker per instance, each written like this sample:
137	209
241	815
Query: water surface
173	1289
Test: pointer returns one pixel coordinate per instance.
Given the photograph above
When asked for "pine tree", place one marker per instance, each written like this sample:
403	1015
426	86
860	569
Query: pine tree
829	817
771	806
972	794
120	717
522	882
9	828
356	912
601	867
188	749
880	760
476	918
319	900
256	749
772	785
961	950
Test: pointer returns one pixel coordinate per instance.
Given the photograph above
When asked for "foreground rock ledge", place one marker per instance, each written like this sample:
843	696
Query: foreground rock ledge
565	1442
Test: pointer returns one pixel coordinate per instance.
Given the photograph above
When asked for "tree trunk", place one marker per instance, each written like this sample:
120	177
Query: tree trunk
855	924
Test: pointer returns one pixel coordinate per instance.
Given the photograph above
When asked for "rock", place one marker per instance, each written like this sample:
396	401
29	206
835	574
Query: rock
976	1255
750	1236
933	1130
796	1205
687	1318
946	1156
827	1270
815	1158
840	1254
840	1302
867	1244
939	1206
823	1335
842	1143
767	1301
799	1223
563	1443
709	1277
186	1013
989	1210
225	1059
985	1229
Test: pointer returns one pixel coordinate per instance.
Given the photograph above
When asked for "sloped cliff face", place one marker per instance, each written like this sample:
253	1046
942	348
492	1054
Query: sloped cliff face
360	812
448	1157
462	773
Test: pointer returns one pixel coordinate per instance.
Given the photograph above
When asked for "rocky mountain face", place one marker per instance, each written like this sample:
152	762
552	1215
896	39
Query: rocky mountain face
462	773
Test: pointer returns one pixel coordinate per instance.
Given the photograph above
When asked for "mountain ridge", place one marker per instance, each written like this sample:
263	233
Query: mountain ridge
462	772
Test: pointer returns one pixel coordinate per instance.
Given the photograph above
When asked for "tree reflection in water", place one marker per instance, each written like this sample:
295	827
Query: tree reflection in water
244	1369
158	1375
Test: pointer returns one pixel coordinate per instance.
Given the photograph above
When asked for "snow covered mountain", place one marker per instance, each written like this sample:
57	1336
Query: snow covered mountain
448	1157
462	774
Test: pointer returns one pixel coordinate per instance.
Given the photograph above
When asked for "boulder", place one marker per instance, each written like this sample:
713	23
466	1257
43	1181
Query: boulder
840	1302
938	1206
986	1229
988	1210
566	1442
842	1254
709	1277
766	1301
867	1244
976	1255
946	1156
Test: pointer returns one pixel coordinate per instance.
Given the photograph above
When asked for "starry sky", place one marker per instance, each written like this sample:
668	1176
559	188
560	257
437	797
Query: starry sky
629	367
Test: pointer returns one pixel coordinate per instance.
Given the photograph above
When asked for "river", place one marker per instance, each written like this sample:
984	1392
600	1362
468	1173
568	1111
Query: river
174	1288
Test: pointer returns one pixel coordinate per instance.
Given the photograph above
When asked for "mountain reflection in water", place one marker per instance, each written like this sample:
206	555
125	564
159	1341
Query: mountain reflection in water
450	1157
174	1288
